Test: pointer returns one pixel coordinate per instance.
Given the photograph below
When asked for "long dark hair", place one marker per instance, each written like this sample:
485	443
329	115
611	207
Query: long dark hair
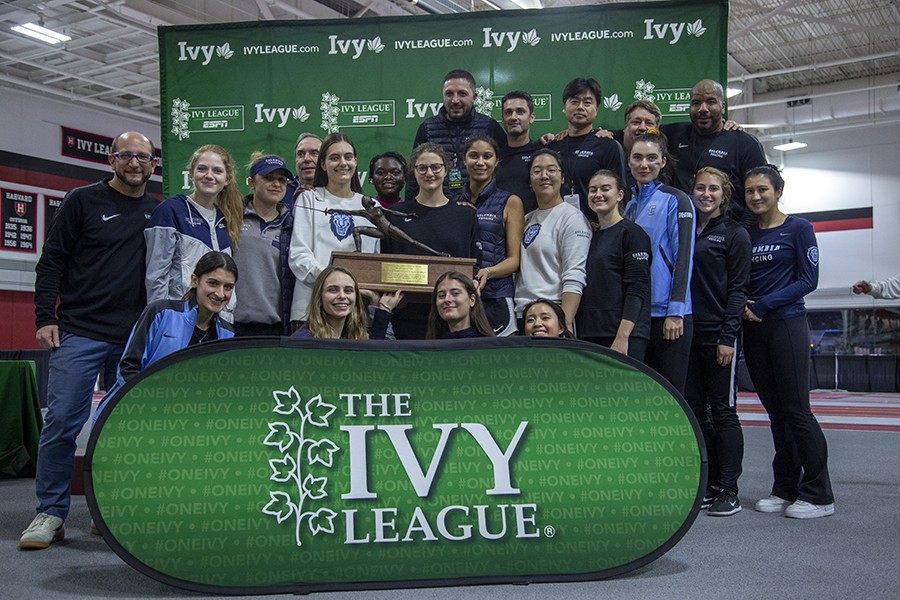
437	327
321	177
554	306
655	136
208	263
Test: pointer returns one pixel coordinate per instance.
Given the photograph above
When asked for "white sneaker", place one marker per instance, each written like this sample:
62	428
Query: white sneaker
43	531
772	504
806	510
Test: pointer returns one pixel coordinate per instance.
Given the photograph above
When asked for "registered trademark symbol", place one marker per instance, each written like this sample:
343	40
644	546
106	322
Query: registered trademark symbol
549	531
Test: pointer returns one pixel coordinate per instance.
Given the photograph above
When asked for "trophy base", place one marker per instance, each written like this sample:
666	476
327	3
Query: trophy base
389	272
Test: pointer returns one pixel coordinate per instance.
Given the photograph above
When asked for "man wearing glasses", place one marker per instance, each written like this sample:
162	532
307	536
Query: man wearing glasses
93	263
584	153
456	120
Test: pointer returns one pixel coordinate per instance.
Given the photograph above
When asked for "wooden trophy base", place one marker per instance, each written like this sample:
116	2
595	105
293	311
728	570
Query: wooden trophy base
390	272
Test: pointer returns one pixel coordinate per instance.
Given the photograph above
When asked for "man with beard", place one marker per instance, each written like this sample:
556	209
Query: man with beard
517	113
93	263
455	122
704	142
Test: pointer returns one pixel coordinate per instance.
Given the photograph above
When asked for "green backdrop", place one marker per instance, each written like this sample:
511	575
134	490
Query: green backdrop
256	86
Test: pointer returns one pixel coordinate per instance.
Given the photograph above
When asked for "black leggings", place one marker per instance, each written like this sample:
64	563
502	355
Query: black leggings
710	394
777	353
670	358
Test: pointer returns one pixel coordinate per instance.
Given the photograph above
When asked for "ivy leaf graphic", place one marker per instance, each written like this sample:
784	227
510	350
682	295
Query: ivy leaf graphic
224	51
283	468
612	102
322	520
279	506
280	435
287	401
531	38
317	412
321	451
375	44
300	113
696	28
315	487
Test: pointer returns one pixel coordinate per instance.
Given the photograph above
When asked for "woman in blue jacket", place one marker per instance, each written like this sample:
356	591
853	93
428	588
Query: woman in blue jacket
183	228
667	216
784	268
167	326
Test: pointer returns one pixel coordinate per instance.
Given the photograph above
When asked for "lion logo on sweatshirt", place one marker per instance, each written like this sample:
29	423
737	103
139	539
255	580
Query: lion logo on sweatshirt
341	226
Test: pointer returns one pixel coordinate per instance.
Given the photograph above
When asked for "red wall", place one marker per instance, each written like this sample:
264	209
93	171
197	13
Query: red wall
17	322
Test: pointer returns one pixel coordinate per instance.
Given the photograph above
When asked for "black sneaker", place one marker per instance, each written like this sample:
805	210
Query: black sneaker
725	505
709	497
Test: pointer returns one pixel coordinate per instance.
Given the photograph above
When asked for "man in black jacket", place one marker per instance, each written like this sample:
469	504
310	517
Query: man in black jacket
93	263
451	127
704	142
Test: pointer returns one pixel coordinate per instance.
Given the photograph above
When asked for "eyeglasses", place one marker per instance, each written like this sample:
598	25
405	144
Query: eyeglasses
142	157
551	171
435	168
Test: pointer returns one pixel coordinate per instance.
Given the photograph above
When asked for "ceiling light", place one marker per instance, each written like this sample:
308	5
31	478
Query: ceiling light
732	92
529	3
791	145
41	33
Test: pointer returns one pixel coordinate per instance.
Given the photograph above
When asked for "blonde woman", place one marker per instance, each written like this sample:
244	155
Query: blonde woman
185	227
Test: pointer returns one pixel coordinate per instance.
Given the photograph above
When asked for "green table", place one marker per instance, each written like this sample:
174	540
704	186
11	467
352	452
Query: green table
20	418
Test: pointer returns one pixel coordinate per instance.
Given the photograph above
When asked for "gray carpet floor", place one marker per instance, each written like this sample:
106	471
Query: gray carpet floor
853	554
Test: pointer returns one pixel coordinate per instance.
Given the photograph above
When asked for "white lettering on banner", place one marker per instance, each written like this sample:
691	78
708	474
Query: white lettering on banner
415	109
653	30
193	52
92	146
432	43
280	49
513	37
339	46
282	114
421	481
580	36
186	52
385	524
496	39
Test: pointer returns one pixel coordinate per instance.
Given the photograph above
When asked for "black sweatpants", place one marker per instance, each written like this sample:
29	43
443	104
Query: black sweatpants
670	358
710	393
777	354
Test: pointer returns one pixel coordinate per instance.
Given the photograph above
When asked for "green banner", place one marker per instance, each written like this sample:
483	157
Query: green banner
256	86
301	465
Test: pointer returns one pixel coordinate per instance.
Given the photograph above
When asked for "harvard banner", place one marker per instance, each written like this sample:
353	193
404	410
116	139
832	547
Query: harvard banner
256	86
301	465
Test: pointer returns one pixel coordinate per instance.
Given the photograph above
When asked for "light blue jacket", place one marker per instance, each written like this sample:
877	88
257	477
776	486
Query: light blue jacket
667	215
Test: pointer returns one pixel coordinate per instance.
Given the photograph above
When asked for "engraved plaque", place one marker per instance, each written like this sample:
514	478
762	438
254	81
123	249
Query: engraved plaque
404	273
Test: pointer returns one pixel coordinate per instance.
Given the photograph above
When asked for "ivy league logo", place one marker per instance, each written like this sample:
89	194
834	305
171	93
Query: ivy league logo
304	456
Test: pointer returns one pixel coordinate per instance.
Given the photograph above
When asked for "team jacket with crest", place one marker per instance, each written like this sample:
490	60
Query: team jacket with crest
719	281
785	268
177	237
667	215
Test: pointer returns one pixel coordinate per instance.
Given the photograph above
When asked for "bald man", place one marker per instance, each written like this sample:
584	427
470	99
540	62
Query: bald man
93	263
705	143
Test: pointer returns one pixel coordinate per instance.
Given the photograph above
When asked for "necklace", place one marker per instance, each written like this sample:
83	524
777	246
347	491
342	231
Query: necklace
201	338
